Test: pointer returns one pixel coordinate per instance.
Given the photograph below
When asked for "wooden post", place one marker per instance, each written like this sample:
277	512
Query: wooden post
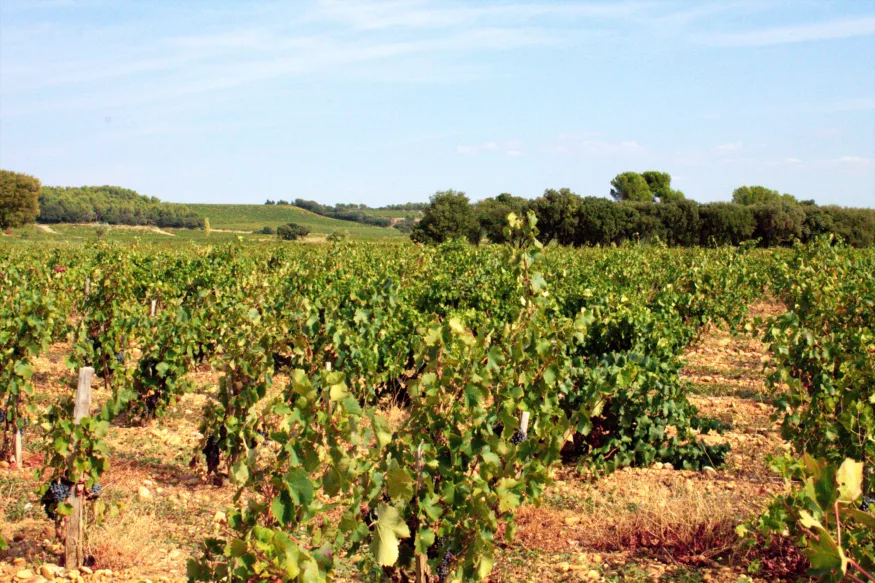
328	366
524	423
18	439
154	305
421	559
87	286
76	521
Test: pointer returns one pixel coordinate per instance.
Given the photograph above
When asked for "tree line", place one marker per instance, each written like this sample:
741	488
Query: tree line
24	200
113	205
646	210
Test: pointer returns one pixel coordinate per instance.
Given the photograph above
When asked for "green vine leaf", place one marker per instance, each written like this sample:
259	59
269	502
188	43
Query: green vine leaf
388	529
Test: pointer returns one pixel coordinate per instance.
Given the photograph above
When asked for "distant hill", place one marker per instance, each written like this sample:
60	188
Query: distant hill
121	206
252	217
113	205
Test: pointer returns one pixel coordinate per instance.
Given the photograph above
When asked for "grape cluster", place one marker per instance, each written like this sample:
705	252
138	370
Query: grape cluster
866	503
120	357
443	570
211	452
150	403
2	416
57	493
518	437
94	492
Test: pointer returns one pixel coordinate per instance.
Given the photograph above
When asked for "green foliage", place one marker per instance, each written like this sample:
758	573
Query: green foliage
312	345
449	216
633	186
778	223
660	185
113	205
822	353
492	214
825	515
557	212
751	195
19	199
822	374
854	225
28	318
724	223
344	212
405	225
338	236
292	232
207	228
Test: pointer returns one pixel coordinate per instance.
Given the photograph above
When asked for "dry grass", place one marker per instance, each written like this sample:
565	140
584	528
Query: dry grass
675	512
124	542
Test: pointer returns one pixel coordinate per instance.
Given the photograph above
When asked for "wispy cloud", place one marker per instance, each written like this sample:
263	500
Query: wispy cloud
365	15
588	144
729	148
834	29
853	162
510	148
790	161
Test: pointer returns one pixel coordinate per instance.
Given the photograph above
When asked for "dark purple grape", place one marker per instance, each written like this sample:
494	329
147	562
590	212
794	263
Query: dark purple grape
94	491
211	452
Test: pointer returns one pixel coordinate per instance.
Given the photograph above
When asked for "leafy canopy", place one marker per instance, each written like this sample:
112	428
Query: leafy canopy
19	199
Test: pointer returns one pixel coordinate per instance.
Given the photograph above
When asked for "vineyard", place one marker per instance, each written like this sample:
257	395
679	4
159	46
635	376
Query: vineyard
388	412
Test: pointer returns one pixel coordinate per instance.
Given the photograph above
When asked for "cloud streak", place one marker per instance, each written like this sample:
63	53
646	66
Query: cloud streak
817	31
511	148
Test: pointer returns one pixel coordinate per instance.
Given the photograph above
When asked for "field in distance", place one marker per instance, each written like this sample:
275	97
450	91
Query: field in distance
227	221
252	217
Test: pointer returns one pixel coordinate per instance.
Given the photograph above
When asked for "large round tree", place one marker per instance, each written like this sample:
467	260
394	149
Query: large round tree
19	199
449	216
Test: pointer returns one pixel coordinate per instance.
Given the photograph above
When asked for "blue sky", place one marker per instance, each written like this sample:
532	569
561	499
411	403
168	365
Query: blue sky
387	102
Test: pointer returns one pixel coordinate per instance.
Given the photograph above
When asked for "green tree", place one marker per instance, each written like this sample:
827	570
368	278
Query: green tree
19	199
672	195
449	216
658	182
292	232
492	214
725	223
557	212
778	222
598	222
749	195
632	186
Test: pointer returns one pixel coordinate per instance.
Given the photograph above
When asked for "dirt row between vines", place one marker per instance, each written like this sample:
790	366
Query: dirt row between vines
649	524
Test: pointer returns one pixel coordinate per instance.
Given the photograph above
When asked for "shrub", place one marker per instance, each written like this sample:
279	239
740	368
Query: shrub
292	232
339	235
725	223
778	222
266	230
